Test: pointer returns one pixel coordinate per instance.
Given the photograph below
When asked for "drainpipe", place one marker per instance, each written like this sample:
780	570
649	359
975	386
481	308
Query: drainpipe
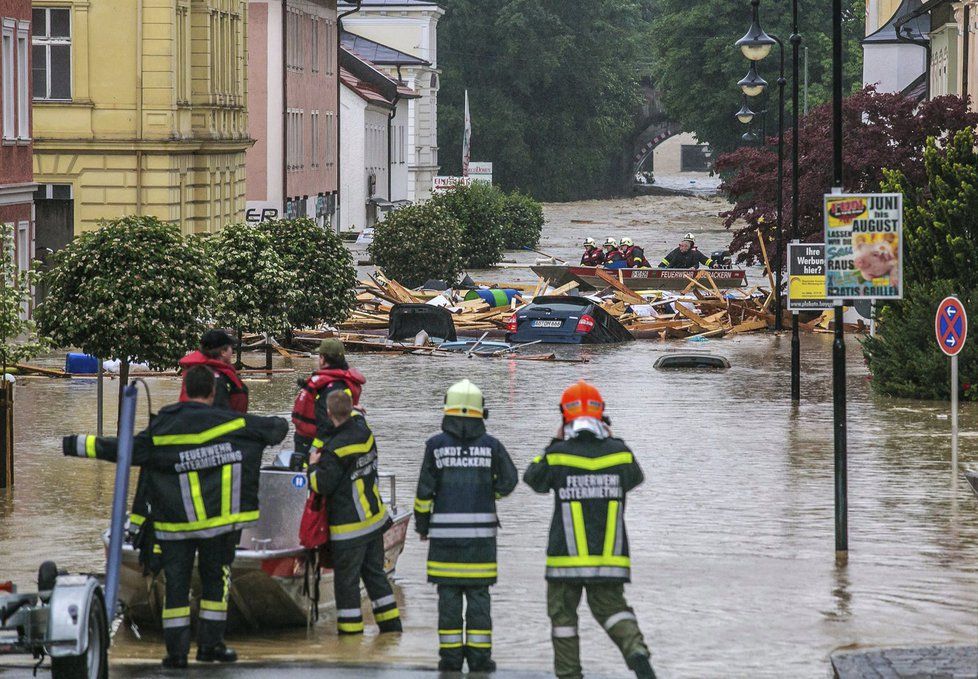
285	106
966	51
339	112
139	108
390	121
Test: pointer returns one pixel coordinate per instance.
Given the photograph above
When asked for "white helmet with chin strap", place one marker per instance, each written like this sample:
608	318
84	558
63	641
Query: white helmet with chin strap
610	242
590	243
689	237
627	242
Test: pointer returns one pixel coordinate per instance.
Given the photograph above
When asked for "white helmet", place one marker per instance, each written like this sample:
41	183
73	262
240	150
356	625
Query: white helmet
689	237
590	242
627	242
610	241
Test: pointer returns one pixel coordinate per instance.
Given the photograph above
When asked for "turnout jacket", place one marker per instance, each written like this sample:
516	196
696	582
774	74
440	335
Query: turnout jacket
465	470
203	465
691	259
590	477
346	475
592	257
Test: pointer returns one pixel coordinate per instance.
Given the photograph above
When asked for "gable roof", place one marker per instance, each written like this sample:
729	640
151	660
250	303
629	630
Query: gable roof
377	53
370	83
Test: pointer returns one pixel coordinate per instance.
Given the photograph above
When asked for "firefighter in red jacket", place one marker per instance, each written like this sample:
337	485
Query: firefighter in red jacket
634	255
217	353
592	253
309	413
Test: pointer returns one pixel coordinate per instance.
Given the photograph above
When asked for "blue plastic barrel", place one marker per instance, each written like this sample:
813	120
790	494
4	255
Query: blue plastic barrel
495	297
81	364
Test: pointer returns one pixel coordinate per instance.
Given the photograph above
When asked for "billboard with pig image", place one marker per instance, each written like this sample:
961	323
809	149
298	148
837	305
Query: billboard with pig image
863	246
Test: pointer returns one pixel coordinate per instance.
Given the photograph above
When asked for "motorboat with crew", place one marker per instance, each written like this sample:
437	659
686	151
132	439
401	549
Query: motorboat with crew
638	278
272	576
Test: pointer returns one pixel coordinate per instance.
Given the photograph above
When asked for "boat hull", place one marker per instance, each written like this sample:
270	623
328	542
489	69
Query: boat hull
268	576
640	279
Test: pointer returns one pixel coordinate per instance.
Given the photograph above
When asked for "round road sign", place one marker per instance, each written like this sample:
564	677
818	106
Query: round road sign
951	326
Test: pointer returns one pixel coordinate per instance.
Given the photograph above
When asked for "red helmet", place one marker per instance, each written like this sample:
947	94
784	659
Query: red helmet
581	400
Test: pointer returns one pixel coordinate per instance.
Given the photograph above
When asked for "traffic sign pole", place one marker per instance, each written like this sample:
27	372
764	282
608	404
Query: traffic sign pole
954	414
951	329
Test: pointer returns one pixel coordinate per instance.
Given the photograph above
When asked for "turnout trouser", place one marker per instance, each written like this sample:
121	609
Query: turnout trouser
214	557
607	604
474	644
366	562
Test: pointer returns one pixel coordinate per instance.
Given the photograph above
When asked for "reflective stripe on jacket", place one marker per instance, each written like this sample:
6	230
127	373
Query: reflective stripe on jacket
590	478
203	466
464	472
346	475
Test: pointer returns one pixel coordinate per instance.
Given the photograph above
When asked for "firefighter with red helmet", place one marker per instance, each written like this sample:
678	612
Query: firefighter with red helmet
309	413
590	473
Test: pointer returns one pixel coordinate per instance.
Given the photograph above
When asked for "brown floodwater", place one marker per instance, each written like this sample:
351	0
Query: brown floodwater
734	572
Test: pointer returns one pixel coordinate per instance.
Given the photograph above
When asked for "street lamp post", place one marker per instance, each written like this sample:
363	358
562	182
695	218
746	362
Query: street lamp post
756	45
795	41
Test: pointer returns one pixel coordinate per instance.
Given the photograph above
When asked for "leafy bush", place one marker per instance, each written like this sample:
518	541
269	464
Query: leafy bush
255	286
134	289
418	242
523	221
478	208
324	276
940	239
19	340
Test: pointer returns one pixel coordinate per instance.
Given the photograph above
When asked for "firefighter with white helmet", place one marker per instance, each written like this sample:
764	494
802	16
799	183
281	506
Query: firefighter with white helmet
593	256
686	256
633	255
612	255
464	472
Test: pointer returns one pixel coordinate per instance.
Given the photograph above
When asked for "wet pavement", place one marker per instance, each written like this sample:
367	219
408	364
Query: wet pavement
731	535
946	662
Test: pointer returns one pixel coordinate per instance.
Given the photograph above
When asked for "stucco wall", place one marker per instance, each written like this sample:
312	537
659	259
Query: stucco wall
891	67
353	182
15	156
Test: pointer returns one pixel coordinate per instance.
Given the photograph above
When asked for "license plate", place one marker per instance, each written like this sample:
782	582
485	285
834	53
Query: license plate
547	324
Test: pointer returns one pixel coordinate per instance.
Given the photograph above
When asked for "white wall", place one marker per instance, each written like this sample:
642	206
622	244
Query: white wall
353	182
375	156
667	156
892	66
399	164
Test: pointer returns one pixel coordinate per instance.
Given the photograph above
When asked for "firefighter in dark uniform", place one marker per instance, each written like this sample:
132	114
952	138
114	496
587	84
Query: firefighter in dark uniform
592	253
686	256
465	470
590	474
633	254
343	469
217	353
309	413
612	255
203	465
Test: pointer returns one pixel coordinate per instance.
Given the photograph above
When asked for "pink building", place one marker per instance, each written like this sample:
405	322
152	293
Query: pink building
16	171
293	99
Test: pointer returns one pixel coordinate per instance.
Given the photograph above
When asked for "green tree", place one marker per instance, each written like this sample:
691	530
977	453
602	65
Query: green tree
696	66
478	208
254	286
19	340
522	221
554	89
940	239
134	290
324	276
417	243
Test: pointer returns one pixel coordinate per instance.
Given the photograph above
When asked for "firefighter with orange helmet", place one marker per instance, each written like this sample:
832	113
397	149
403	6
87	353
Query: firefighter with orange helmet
590	473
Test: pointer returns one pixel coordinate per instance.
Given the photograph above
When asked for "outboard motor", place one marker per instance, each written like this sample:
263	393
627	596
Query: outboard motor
721	259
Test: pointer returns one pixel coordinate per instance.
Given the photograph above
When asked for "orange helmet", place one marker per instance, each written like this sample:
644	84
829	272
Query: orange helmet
581	400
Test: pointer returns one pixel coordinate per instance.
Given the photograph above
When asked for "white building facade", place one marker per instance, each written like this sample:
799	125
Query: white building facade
409	27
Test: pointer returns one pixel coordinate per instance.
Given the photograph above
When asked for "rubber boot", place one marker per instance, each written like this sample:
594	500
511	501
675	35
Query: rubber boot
640	665
216	653
175	662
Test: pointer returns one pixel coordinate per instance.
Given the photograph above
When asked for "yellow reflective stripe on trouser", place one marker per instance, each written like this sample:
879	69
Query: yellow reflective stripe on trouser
611	528
449	638
213	522
202	437
213	610
589	463
572	561
355	448
387	615
90	446
580	536
348	531
478	638
422	506
350	627
176	617
197	495
441	569
226	477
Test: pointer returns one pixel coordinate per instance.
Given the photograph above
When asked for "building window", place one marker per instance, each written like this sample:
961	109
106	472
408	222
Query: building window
314	122
330	46
23	81
51	52
314	51
183	54
294	159
293	34
7	79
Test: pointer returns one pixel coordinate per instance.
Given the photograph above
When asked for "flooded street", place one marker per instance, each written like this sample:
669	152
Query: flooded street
731	535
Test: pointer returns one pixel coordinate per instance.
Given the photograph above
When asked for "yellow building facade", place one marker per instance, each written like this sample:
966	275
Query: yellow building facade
140	108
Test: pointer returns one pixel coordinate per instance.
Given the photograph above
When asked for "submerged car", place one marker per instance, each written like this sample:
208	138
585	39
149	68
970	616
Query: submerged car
565	320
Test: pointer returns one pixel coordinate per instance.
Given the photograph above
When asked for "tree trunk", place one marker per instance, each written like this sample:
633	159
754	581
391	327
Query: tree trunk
123	380
268	351
238	365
